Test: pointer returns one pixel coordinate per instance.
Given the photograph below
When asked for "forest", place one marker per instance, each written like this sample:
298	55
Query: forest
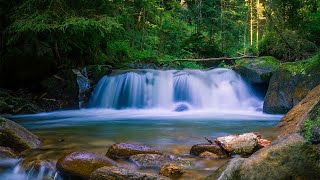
47	35
159	89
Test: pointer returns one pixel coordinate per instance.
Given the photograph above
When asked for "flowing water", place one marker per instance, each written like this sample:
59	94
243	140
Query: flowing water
171	110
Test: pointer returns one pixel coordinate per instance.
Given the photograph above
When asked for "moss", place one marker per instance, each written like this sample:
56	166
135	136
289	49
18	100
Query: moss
311	127
302	67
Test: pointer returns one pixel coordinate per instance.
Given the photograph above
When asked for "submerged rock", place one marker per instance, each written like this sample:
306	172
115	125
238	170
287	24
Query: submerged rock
290	84
198	149
7	153
210	155
36	167
172	171
257	70
242	144
157	161
82	164
116	173
124	150
16	137
182	107
288	157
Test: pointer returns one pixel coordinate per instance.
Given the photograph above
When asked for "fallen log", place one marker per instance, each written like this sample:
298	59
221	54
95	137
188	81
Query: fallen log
216	59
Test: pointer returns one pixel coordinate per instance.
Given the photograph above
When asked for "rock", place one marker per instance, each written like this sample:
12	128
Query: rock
228	171
210	155
182	107
242	144
7	153
115	173
62	87
289	157
11	104
290	84
82	164
124	150
304	117
257	70
157	161
197	149
16	137
172	171
96	72
36	165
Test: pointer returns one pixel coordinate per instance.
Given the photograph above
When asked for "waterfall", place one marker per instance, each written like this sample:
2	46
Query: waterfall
193	89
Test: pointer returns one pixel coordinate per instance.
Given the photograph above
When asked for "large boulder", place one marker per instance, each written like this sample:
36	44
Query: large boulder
257	70
304	117
288	157
242	144
124	150
82	164
290	84
198	149
115	173
7	153
157	160
294	155
16	137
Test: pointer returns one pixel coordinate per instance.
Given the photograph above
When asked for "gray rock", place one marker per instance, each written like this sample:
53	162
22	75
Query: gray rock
290	84
115	173
124	150
16	137
157	161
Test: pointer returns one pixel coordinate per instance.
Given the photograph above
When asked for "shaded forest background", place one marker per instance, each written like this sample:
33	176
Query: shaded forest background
39	37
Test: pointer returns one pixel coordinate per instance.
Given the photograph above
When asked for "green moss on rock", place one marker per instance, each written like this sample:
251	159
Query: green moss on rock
257	70
290	84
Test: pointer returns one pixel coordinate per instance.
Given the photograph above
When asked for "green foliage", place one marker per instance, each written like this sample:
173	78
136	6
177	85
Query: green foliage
311	128
289	48
303	66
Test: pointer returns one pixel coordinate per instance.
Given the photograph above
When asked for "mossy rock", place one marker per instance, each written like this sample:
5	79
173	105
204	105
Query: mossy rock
96	72
257	70
10	104
289	157
63	86
16	137
290	84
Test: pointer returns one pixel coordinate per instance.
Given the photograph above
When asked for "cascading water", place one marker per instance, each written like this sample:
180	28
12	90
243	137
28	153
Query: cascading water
146	89
149	107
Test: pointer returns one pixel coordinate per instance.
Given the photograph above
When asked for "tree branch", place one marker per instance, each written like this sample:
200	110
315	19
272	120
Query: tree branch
217	59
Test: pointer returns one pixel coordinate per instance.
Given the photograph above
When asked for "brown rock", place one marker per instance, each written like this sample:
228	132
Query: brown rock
172	171
157	160
242	144
6	153
126	150
115	173
263	143
82	164
293	121
197	149
16	137
210	155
